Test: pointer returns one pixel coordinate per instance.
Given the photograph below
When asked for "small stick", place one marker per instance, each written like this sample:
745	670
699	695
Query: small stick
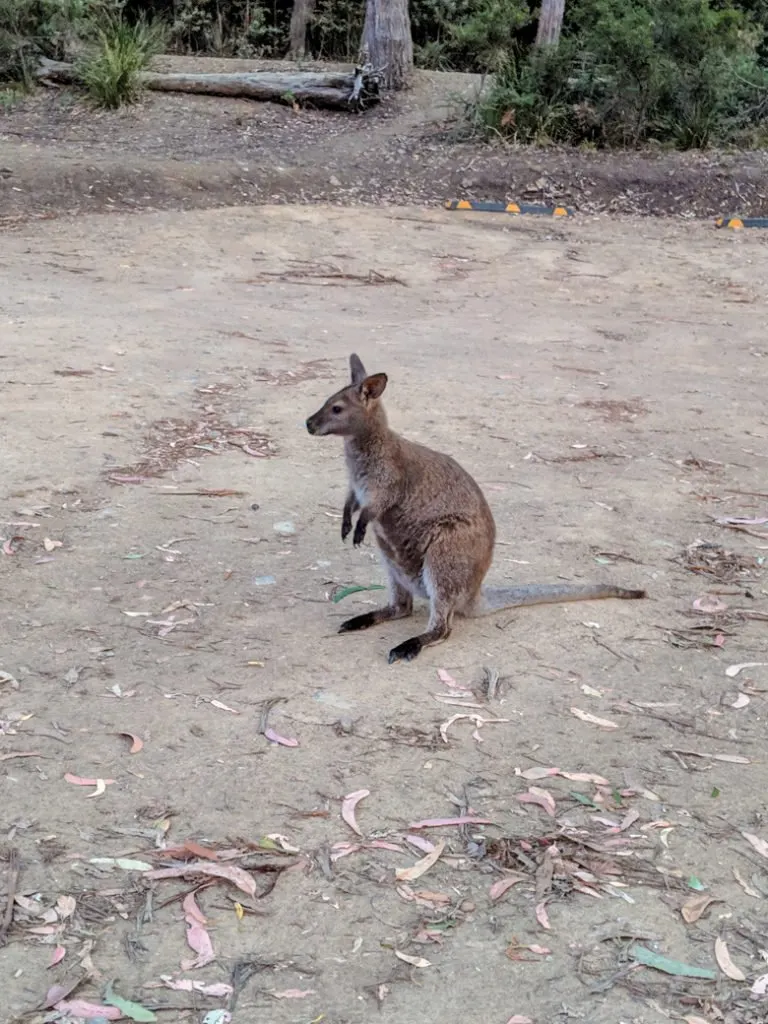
14	870
266	707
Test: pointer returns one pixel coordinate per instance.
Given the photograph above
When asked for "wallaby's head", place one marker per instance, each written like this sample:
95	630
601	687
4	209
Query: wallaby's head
351	411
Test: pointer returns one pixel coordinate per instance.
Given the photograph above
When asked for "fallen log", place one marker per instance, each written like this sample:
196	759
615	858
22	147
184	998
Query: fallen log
339	90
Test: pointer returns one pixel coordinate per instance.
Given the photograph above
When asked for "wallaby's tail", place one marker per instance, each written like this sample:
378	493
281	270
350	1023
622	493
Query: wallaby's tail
495	599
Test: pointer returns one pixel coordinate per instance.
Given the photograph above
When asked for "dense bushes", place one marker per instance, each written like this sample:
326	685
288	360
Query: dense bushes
687	73
31	28
672	71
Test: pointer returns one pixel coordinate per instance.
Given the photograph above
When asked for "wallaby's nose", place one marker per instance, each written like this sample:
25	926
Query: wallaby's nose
310	426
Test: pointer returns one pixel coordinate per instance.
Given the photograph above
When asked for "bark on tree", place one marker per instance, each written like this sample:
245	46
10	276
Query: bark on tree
302	12
550	22
340	90
387	40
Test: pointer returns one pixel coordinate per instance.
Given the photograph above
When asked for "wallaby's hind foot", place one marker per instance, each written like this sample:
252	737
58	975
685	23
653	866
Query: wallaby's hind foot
406	651
412	648
439	629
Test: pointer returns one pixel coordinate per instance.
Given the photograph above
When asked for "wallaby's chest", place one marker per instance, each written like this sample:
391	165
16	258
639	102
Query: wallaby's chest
357	472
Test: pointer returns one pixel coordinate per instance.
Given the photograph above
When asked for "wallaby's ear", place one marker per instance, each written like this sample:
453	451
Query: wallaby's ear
357	369
373	387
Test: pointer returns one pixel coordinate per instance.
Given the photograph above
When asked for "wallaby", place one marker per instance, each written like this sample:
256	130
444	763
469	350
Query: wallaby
433	527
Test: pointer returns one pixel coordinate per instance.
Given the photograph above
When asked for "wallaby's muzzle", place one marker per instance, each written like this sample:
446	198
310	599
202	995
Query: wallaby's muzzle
316	424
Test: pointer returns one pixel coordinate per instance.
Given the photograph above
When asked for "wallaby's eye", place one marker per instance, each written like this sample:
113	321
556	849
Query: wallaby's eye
336	410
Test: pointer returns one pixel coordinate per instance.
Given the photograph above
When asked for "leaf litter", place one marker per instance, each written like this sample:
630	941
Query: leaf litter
82	1009
229	872
134	1011
217	990
648	958
137	744
733	670
198	939
421	866
477	720
693	908
761	845
586	716
348	806
725	962
538	796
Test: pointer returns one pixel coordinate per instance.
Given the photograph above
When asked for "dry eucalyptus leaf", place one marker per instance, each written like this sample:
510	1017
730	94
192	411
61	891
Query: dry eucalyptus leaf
65	906
727	966
693	908
733	670
748	889
761	845
533	774
542	797
348	805
585	716
414	961
421	866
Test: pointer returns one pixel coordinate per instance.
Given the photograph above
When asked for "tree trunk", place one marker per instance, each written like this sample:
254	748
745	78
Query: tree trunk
550	22
302	12
387	40
341	90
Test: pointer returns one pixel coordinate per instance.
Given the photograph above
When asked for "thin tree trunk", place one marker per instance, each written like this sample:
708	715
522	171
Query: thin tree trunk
302	12
550	22
387	40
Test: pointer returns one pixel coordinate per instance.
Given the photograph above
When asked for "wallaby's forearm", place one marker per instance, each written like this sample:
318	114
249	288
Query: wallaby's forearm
365	517
351	505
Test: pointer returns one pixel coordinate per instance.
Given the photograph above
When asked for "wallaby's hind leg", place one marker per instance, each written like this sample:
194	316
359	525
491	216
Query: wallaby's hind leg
400	607
450	578
438	629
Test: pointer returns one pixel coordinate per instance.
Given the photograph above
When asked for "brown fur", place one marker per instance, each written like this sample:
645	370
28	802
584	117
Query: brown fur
432	524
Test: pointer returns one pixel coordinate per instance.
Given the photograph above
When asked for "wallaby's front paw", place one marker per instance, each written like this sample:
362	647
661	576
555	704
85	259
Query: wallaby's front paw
346	524
360	529
406	651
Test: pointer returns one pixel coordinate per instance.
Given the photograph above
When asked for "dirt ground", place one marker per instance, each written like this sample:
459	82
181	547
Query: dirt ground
170	547
173	574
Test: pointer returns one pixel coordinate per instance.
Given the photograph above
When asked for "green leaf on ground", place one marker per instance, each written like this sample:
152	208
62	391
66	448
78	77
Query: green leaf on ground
346	591
663	963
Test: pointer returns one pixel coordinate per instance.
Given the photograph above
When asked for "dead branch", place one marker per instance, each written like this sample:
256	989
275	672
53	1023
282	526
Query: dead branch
337	90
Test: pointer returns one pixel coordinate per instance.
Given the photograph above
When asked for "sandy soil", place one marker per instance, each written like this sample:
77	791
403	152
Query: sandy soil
605	382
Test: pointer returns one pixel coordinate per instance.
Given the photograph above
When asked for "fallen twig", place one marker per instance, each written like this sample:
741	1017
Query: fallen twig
14	869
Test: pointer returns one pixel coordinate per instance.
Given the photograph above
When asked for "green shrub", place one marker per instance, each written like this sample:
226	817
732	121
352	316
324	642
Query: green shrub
467	35
111	69
30	29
